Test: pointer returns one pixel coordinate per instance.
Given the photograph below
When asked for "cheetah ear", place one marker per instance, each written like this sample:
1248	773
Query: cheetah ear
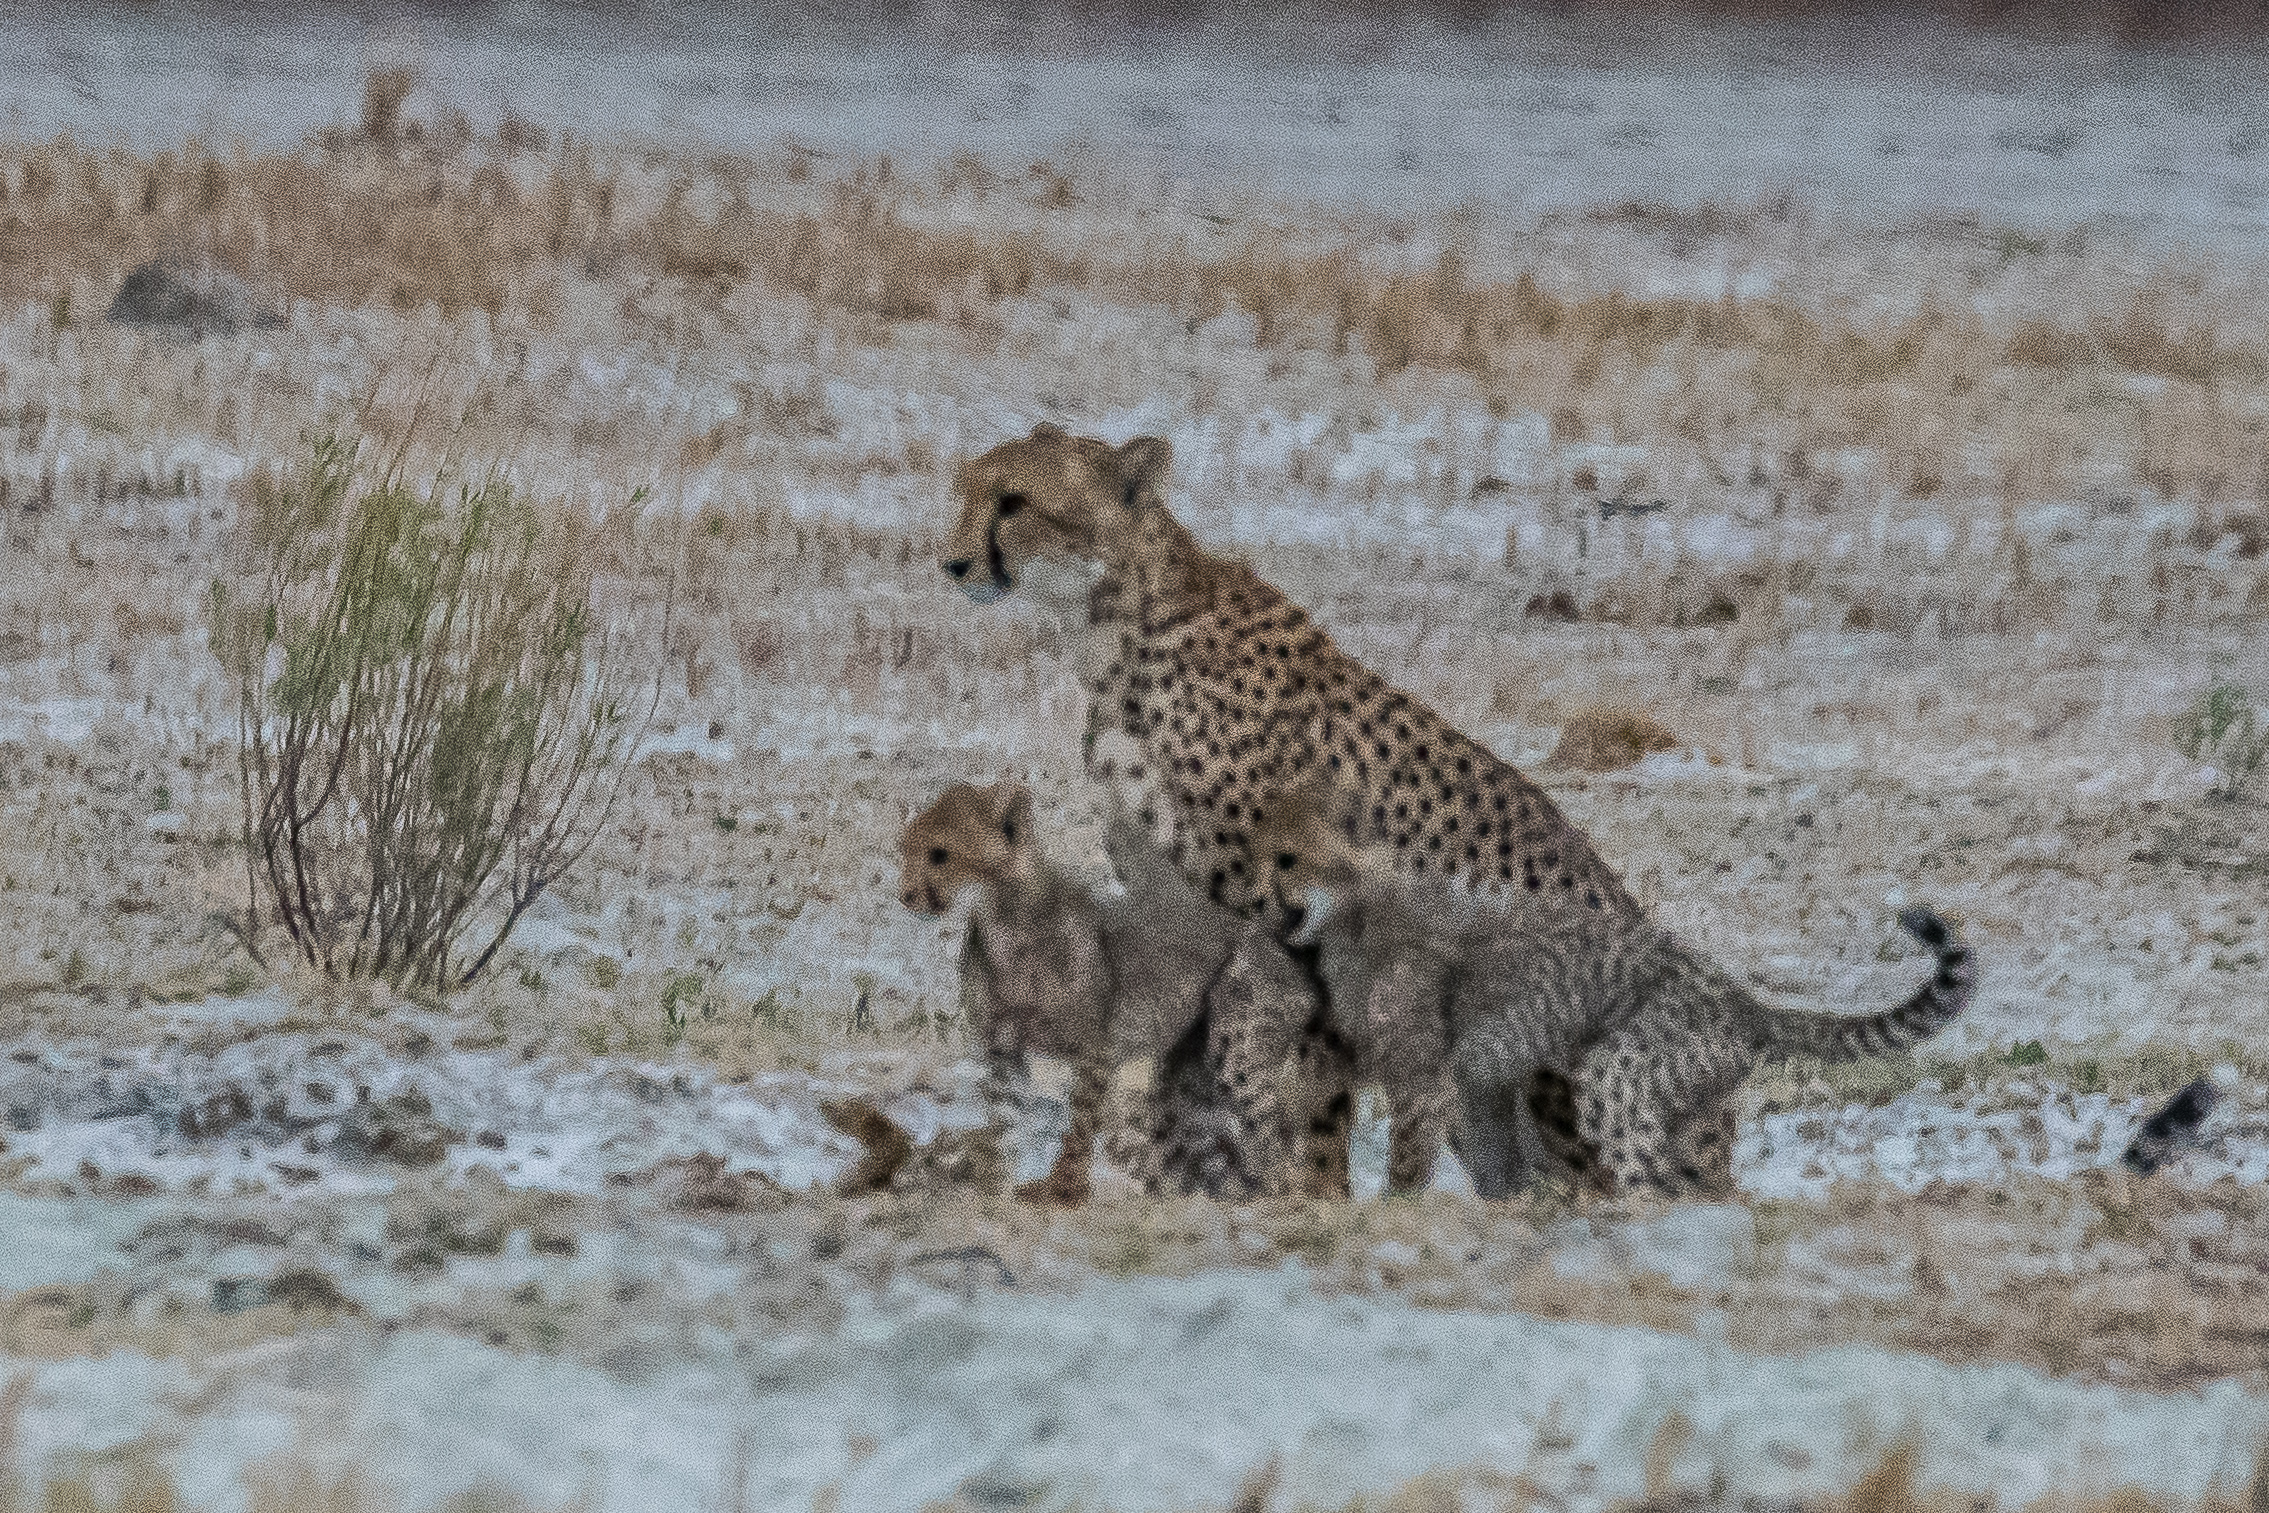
1048	430
1142	465
1015	819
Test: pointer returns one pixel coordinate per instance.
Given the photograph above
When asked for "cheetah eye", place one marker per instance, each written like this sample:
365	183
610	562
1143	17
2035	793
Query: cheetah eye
1011	503
1286	861
937	856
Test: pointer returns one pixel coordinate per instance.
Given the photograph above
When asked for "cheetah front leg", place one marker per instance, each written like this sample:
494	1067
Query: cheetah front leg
1289	1078
1068	1182
1316	1097
1186	1142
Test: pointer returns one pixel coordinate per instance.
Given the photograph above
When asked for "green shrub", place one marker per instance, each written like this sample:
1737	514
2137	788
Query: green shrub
431	724
2223	728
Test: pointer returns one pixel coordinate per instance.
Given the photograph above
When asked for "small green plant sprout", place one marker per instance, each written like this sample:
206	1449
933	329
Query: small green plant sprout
2028	1053
432	722
2225	730
681	991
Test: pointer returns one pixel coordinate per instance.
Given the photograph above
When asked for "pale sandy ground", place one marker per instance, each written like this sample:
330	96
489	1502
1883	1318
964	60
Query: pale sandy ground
250	1218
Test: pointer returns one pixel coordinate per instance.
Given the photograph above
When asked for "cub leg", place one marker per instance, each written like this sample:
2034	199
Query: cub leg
1620	1117
1404	1032
1642	1085
1492	1136
1423	1110
1555	1125
1497	1061
1006	1073
1704	1147
1068	1181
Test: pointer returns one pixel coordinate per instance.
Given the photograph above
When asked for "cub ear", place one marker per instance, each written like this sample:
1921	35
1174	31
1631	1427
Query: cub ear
1015	814
1048	430
1142	465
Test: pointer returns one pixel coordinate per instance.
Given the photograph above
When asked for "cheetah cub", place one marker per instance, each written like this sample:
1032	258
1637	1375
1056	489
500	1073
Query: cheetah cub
1047	967
1460	1022
1440	978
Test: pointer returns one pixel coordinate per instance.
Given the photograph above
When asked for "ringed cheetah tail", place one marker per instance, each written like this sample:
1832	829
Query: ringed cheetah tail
1846	1037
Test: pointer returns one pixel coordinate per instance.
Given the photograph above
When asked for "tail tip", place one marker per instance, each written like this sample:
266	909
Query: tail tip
1925	925
2165	1133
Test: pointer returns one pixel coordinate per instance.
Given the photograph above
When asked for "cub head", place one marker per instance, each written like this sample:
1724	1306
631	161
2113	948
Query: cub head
971	837
1307	861
1043	513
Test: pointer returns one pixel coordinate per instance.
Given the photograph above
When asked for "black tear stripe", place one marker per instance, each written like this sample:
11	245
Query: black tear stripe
995	563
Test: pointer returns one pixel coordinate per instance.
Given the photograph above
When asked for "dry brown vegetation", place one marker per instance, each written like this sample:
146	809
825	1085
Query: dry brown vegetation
1809	415
1760	384
1602	740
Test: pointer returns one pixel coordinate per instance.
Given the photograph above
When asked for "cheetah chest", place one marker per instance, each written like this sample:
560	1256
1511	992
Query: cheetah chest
1222	711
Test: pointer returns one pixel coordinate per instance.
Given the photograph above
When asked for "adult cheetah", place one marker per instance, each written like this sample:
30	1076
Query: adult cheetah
1236	697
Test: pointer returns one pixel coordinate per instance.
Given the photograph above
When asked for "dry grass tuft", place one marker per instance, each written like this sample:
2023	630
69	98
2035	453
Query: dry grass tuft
1889	1486
1608	739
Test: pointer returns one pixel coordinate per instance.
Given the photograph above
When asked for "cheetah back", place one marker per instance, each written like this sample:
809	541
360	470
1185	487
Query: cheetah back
1241	697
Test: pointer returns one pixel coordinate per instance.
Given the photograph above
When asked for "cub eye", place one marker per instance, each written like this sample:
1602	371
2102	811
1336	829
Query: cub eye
937	856
1286	861
1009	830
1011	503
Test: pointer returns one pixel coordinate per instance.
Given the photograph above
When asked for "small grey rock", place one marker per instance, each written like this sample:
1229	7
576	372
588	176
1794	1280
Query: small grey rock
187	294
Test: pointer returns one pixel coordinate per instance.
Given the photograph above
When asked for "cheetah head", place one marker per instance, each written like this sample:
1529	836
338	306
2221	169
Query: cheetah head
1307	862
971	837
1044	514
